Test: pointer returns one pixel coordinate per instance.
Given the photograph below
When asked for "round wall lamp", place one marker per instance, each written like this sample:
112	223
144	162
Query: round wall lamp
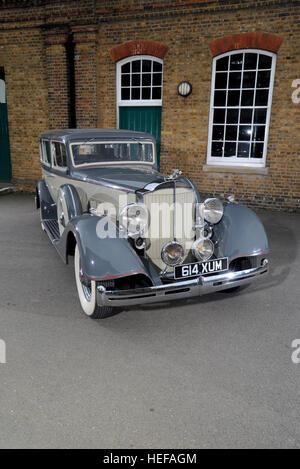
184	89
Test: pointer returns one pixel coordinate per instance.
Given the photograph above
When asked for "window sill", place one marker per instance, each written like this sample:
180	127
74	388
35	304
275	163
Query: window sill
208	168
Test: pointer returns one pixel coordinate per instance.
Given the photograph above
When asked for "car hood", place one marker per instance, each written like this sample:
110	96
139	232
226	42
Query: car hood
124	177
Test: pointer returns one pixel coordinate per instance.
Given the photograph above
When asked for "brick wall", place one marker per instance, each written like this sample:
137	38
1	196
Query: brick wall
188	28
189	32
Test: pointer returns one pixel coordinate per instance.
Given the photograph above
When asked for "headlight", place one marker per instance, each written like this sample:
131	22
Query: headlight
212	210
134	218
203	249
172	253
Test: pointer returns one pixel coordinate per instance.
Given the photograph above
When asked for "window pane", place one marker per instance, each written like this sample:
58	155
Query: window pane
135	93
146	65
243	150
246	116
157	79
220	98
235	80
156	93
146	79
126	68
260	116
241	98
136	79
257	150
245	132
125	80
233	98
261	97
219	116
136	66
263	79
230	149
47	151
259	133
125	93
216	148
157	67
236	62
222	64
231	132
146	93
249	79
265	61
247	98
221	81
250	61
218	132
232	116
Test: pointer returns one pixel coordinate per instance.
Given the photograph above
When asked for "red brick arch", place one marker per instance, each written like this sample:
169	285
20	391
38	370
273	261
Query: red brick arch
253	40
141	47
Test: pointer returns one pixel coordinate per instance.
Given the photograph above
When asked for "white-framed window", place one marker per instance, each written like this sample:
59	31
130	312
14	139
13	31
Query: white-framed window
59	155
240	108
140	81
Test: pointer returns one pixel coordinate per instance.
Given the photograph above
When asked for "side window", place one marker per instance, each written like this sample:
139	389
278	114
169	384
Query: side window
45	152
59	155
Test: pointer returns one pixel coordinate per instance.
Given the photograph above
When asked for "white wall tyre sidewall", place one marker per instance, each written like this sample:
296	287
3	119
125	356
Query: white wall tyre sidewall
62	209
88	306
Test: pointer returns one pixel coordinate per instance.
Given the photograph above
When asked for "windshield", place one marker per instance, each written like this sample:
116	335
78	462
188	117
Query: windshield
91	153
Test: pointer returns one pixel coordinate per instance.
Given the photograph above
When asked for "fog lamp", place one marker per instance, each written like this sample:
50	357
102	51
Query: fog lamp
203	249
172	253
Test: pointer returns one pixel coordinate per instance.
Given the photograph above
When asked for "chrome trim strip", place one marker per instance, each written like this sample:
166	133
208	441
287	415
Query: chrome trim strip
185	289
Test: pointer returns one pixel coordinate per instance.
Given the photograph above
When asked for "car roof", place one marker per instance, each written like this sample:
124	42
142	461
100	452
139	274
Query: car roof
67	135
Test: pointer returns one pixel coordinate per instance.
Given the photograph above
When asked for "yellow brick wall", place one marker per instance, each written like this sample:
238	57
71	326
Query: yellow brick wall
36	81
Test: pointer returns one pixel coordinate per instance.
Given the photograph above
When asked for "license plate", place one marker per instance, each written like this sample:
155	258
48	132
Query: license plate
201	268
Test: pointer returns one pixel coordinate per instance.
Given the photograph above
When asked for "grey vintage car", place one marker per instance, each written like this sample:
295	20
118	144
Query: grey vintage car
138	236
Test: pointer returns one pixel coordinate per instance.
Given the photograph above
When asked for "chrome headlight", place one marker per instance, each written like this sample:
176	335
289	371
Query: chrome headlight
212	210
134	218
203	249
172	253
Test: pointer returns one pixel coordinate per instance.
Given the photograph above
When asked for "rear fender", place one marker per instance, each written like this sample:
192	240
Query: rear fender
44	201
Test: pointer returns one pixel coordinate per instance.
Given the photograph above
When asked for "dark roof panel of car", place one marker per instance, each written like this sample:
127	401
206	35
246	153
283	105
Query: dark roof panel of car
82	134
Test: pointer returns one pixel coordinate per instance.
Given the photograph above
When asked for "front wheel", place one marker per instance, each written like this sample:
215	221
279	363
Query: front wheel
88	295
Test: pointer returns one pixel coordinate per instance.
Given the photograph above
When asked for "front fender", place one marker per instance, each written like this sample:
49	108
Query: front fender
101	258
240	233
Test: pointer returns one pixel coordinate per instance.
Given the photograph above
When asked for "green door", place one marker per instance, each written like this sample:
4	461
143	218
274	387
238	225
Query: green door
142	119
5	166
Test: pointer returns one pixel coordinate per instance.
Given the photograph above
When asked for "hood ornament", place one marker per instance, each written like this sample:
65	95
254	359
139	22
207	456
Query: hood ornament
174	175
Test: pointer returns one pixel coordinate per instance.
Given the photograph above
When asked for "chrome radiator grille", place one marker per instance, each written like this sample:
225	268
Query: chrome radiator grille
163	226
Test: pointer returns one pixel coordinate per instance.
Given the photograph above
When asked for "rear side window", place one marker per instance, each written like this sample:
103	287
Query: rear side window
45	152
59	155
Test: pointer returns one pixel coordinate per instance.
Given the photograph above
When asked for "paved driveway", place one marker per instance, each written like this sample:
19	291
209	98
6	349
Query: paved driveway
216	372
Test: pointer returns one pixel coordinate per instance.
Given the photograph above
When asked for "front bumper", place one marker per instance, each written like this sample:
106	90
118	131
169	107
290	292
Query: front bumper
183	289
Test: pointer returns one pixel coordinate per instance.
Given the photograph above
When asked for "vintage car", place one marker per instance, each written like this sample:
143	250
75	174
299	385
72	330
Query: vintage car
138	236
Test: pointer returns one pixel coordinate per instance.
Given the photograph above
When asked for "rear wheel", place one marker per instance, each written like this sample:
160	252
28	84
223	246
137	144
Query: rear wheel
88	295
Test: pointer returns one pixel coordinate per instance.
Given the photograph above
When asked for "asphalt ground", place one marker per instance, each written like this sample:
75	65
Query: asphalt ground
204	373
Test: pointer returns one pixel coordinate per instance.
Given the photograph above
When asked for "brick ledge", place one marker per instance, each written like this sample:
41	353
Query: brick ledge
209	168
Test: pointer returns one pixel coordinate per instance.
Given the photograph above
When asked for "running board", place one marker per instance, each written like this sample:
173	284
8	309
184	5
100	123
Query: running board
52	229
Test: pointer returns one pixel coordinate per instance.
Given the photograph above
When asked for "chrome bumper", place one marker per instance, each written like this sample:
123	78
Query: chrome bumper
183	289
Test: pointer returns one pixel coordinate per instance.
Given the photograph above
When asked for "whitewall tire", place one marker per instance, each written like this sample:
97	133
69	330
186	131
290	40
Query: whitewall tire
88	294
